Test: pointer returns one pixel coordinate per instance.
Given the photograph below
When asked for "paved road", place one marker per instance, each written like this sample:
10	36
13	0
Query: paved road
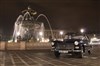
47	58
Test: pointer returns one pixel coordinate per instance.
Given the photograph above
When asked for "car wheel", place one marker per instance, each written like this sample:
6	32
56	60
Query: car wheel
57	54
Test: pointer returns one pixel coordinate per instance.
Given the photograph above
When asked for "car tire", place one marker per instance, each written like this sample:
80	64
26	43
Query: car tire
57	54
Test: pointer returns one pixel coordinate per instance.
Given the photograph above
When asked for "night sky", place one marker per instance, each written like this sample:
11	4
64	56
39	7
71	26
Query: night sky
62	14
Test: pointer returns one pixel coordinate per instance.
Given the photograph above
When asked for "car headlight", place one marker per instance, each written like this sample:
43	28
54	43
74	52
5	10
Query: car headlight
76	42
52	43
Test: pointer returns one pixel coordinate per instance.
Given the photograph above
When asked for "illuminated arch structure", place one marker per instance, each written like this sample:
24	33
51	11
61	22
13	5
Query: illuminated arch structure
26	27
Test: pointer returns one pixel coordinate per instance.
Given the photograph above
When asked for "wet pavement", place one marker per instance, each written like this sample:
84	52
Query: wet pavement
47	58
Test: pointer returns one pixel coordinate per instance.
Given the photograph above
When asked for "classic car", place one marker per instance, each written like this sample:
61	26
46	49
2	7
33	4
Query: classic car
73	43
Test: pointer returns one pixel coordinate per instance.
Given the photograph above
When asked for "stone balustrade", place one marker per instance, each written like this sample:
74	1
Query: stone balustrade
24	45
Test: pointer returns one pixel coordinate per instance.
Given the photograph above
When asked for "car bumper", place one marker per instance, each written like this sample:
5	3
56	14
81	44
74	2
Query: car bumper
69	51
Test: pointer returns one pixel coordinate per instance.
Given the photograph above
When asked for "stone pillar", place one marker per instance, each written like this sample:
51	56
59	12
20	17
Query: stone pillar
22	45
2	45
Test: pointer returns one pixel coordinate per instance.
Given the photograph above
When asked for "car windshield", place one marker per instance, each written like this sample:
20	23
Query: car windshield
76	36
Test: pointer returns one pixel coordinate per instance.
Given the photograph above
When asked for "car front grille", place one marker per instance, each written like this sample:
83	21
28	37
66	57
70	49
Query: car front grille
66	46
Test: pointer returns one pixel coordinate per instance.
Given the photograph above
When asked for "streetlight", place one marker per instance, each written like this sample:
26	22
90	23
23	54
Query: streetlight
61	33
82	30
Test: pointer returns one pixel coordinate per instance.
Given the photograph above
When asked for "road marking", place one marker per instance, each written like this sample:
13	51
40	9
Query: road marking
44	61
75	60
3	59
54	60
22	60
12	60
61	61
83	61
32	60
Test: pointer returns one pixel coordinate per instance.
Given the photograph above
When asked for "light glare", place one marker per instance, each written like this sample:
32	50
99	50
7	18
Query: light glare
61	32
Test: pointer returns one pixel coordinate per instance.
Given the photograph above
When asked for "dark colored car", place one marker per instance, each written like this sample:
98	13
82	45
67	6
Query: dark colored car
73	43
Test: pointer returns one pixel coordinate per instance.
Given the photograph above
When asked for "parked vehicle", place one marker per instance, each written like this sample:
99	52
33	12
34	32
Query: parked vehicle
94	41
